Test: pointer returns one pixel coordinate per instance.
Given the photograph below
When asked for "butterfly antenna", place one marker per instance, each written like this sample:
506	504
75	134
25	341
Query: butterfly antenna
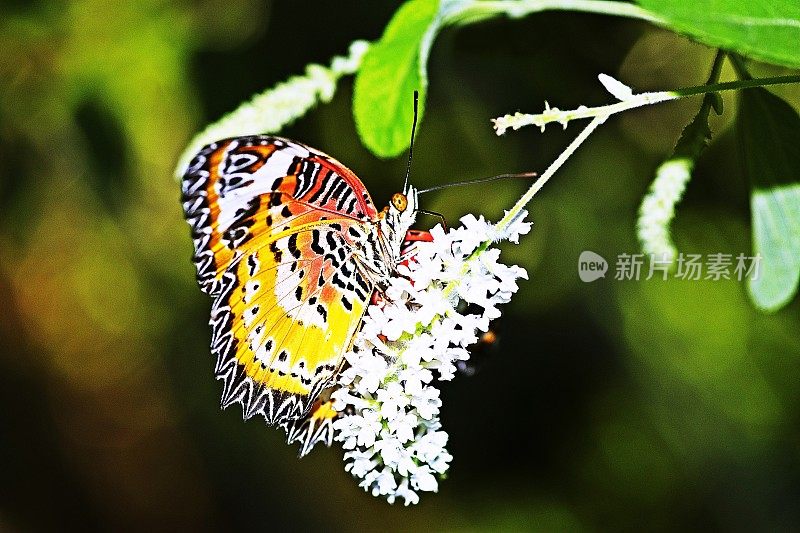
411	148
482	180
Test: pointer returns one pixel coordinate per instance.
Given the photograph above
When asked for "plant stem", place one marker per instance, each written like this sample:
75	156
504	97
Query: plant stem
739	66
519	120
738	84
554	166
716	67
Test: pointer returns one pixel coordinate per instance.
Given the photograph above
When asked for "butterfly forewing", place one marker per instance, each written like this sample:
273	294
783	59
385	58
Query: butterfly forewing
229	182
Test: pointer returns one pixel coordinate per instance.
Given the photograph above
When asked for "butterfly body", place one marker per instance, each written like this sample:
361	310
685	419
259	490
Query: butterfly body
290	246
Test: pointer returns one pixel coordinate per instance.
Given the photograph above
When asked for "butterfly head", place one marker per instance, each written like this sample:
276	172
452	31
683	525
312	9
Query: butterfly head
400	201
397	218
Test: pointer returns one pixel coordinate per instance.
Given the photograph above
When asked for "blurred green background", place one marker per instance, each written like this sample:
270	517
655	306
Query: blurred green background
606	406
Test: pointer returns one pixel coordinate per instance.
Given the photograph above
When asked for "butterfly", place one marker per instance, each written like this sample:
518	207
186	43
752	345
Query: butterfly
291	249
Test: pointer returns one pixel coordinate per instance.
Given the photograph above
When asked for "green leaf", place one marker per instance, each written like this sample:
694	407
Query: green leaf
392	70
768	30
769	132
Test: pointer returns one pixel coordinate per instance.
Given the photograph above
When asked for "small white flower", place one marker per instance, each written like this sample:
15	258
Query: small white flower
516	227
422	479
427	402
391	450
392	400
430	445
360	463
364	427
409	496
342	398
440	462
385	482
414	378
370	371
403	426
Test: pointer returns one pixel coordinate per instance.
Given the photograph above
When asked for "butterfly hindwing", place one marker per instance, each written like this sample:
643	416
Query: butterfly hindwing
295	314
293	317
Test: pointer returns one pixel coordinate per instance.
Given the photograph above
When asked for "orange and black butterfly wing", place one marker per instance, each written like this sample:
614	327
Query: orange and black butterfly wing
284	317
275	227
229	181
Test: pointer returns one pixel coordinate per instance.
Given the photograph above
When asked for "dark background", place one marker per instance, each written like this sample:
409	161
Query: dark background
611	405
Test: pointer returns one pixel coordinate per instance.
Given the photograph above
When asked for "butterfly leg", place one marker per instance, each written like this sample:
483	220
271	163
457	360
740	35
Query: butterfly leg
437	215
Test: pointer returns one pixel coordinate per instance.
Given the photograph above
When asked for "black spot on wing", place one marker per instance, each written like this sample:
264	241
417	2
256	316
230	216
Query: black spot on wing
315	242
273	247
330	240
293	246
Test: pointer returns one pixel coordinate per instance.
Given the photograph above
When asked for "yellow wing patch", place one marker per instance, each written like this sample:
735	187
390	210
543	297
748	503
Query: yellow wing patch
295	303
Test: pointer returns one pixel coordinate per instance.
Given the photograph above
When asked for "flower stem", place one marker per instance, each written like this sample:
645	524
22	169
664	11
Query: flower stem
552	169
549	115
739	67
738	84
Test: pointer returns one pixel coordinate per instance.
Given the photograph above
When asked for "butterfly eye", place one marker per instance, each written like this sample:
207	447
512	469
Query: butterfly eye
399	201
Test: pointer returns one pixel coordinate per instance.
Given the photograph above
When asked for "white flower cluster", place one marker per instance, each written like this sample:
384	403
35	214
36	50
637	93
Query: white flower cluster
281	105
446	293
658	208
